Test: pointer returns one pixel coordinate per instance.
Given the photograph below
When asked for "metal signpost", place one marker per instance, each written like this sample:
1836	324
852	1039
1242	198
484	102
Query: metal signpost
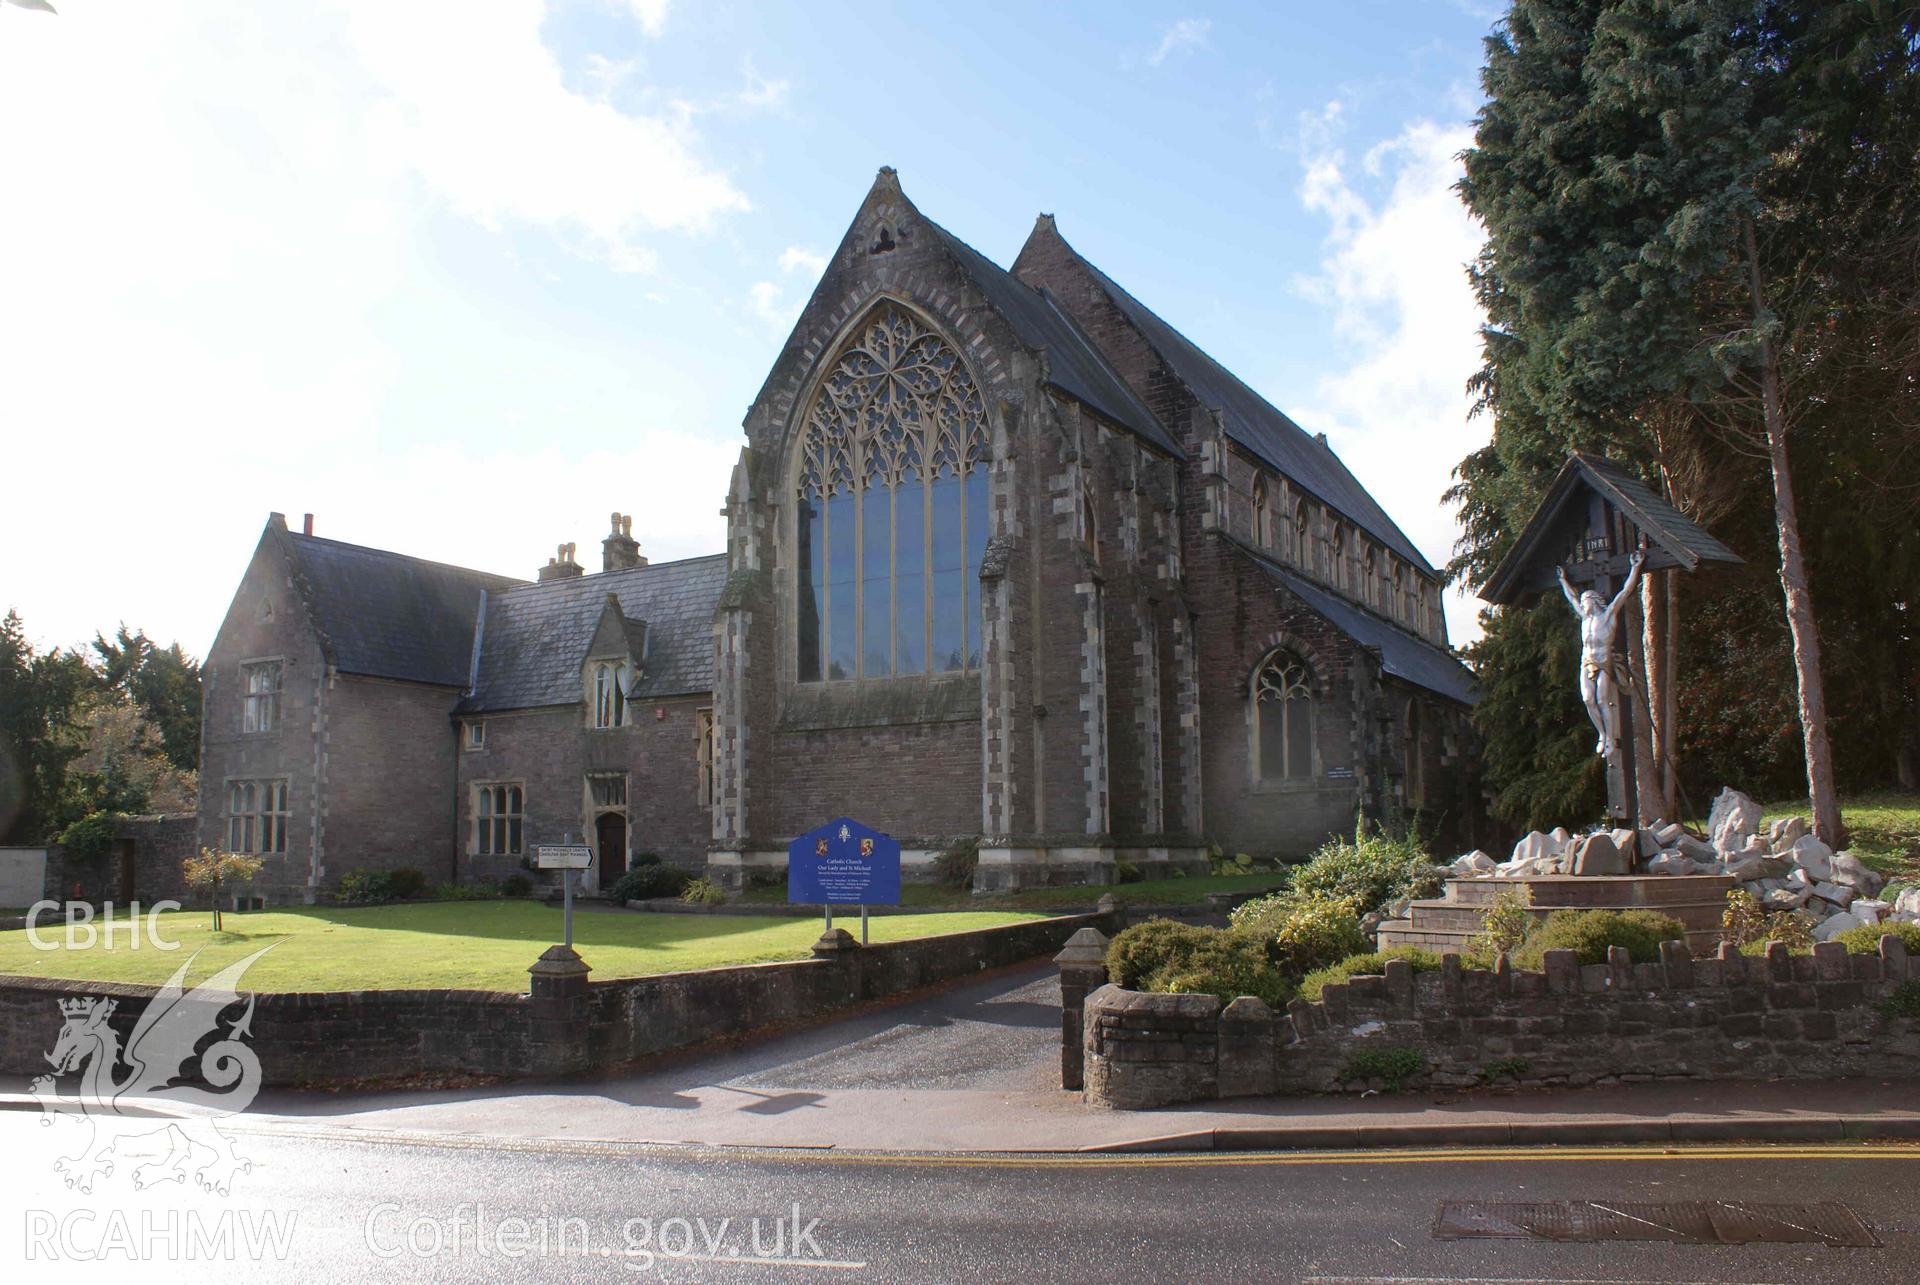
844	863
566	858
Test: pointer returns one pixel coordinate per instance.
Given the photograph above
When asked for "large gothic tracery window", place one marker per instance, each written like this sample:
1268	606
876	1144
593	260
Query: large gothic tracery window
1283	719
892	490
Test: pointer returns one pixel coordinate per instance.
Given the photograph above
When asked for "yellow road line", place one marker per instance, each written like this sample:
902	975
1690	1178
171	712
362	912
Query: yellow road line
1864	1150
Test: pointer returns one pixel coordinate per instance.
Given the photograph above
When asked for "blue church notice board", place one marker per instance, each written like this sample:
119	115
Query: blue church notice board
843	863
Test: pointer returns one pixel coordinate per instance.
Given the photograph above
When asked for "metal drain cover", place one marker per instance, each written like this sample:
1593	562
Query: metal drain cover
1678	1222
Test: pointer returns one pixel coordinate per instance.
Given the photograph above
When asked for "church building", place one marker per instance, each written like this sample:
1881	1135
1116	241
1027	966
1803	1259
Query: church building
1010	561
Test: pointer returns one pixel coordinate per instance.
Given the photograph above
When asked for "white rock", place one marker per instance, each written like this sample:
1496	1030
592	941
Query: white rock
1787	831
1908	902
1869	910
1733	819
1799	878
1786	898
1838	893
1534	845
1668	834
1559	839
1854	873
1670	863
1813	856
1834	926
1698	849
1771	884
1472	864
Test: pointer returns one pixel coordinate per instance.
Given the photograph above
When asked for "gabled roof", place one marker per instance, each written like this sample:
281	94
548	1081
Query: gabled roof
1074	365
1258	425
1675	539
535	638
387	615
1403	655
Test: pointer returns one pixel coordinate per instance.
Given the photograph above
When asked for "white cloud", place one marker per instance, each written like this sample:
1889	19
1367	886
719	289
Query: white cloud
650	14
765	298
1183	36
496	132
796	258
224	230
1393	273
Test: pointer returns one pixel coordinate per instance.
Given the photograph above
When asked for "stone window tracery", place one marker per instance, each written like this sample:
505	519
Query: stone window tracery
891	477
1283	719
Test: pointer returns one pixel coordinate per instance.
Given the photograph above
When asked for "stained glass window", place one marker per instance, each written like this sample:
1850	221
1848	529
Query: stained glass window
892	501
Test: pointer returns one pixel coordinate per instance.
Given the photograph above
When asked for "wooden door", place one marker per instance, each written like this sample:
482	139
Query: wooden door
610	846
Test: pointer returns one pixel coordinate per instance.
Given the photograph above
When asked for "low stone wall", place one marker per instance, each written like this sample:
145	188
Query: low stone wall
1732	1017
571	1025
148	849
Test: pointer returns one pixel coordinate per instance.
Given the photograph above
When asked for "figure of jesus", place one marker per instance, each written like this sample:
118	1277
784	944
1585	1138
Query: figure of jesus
1598	619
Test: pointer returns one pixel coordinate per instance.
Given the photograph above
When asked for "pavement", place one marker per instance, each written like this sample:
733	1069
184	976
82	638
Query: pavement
975	1068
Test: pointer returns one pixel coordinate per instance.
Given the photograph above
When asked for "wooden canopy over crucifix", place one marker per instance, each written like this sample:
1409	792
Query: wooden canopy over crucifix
1596	520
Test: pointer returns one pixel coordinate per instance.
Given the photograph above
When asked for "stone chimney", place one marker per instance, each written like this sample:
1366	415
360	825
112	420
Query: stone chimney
620	550
561	567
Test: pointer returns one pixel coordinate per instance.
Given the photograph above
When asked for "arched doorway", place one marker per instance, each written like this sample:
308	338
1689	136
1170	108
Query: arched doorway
610	846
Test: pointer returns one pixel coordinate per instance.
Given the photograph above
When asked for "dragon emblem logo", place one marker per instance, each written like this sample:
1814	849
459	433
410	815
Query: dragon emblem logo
141	1080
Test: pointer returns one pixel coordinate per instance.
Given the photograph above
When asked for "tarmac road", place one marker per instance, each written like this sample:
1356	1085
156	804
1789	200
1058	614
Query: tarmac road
363	1208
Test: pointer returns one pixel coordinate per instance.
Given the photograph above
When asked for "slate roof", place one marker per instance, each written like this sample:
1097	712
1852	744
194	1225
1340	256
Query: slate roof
1403	655
387	615
1261	427
1676	539
534	637
1074	365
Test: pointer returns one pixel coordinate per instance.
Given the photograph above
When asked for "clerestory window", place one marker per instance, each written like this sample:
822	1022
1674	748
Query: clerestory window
892	509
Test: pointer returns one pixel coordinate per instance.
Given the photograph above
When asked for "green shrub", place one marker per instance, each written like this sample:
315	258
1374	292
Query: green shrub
1865	939
515	886
956	863
1302	933
644	883
1138	952
365	887
702	892
639	859
1423	961
1229	965
1393	1067
91	837
1126	872
1588	933
1505	926
1511	1068
1369	871
405	883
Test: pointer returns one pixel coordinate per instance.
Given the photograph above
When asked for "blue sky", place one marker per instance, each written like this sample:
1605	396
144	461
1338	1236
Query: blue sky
462	278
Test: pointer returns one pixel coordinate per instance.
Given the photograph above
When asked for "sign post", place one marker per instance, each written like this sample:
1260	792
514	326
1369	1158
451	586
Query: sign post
844	863
566	858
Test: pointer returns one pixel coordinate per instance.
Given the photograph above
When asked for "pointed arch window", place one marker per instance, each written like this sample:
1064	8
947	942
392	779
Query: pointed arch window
1263	534
1297	534
1370	579
892	508
1283	719
609	702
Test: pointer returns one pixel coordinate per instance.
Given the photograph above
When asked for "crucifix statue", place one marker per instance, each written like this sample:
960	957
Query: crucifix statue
1599	624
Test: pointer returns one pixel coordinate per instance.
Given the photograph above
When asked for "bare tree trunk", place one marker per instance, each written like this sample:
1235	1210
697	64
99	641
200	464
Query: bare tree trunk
1658	790
1793	578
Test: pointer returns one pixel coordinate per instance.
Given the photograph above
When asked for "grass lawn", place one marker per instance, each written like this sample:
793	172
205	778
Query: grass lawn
1152	892
472	945
1883	830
